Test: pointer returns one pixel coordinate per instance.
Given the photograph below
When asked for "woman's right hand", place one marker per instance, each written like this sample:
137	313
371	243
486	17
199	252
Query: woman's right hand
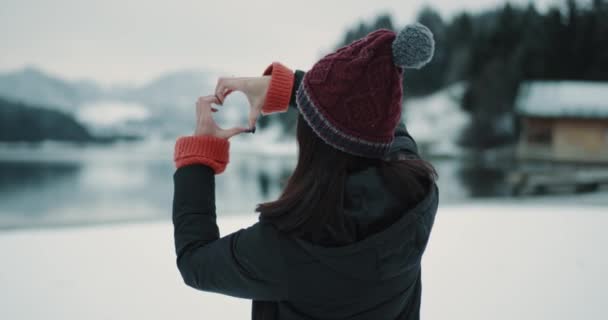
254	88
206	126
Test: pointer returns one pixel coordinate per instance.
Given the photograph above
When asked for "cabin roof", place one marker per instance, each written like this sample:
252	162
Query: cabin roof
571	99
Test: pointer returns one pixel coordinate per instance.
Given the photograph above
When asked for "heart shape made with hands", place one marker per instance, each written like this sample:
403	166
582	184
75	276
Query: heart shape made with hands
254	89
234	112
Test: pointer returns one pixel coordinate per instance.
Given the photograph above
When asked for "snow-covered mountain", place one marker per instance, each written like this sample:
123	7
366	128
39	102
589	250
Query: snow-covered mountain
33	86
178	88
163	106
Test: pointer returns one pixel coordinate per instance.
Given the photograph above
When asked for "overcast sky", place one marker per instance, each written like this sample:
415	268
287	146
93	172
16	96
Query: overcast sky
132	41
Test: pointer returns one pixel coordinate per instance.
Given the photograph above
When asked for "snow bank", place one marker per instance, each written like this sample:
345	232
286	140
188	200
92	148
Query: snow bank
436	121
484	261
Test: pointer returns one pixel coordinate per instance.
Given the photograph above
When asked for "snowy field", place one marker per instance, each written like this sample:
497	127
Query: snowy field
484	261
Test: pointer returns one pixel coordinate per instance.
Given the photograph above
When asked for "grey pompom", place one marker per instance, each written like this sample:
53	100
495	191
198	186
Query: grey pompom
413	47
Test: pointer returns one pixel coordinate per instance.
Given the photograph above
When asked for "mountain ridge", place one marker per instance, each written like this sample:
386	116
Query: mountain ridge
168	98
32	85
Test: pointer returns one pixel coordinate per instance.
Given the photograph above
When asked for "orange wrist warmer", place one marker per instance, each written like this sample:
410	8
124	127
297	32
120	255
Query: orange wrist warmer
279	90
207	150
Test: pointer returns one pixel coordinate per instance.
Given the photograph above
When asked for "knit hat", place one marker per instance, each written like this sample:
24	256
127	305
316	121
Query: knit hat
352	97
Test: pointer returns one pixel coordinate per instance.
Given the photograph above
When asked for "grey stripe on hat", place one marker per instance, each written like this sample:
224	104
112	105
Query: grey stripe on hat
332	135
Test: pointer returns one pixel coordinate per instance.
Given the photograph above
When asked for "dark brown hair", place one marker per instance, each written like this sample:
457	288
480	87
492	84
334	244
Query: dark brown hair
314	194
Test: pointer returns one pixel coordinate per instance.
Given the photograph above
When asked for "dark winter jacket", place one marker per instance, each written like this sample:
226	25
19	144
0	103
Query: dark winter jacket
377	277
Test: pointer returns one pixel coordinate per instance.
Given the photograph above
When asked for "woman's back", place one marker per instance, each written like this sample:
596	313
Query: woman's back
375	277
365	265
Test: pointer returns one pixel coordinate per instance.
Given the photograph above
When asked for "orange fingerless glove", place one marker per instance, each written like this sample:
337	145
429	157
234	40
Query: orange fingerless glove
207	150
279	90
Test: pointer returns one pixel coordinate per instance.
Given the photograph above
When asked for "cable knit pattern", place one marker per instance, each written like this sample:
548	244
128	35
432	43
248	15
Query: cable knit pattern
352	97
357	91
207	150
335	138
279	90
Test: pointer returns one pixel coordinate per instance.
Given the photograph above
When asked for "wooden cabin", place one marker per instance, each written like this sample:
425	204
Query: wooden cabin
563	121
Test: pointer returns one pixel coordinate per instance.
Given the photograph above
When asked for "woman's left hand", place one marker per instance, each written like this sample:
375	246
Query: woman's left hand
206	126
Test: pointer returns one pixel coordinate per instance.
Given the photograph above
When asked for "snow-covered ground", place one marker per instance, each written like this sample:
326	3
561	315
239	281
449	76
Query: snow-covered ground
437	120
484	261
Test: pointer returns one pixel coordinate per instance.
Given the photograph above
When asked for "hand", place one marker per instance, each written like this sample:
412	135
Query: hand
206	126
254	88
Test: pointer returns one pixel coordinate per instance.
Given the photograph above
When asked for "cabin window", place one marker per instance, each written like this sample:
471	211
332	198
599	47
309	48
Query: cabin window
539	132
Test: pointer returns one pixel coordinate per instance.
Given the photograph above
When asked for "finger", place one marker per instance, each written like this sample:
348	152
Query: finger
225	86
253	117
204	106
229	133
213	109
208	99
197	110
220	90
225	95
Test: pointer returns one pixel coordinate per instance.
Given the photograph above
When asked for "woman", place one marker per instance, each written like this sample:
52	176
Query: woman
345	238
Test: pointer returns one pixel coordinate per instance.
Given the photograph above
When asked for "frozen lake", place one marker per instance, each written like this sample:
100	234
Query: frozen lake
484	261
84	185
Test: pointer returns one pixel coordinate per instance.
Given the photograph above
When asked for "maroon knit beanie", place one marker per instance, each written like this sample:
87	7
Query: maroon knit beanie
352	97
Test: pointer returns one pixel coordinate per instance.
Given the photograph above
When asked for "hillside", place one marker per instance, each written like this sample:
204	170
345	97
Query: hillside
166	101
25	123
35	87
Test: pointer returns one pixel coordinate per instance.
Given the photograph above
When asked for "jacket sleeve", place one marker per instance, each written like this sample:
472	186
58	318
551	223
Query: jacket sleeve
245	264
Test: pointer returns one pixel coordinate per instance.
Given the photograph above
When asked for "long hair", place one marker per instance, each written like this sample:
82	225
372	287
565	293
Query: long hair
314	194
